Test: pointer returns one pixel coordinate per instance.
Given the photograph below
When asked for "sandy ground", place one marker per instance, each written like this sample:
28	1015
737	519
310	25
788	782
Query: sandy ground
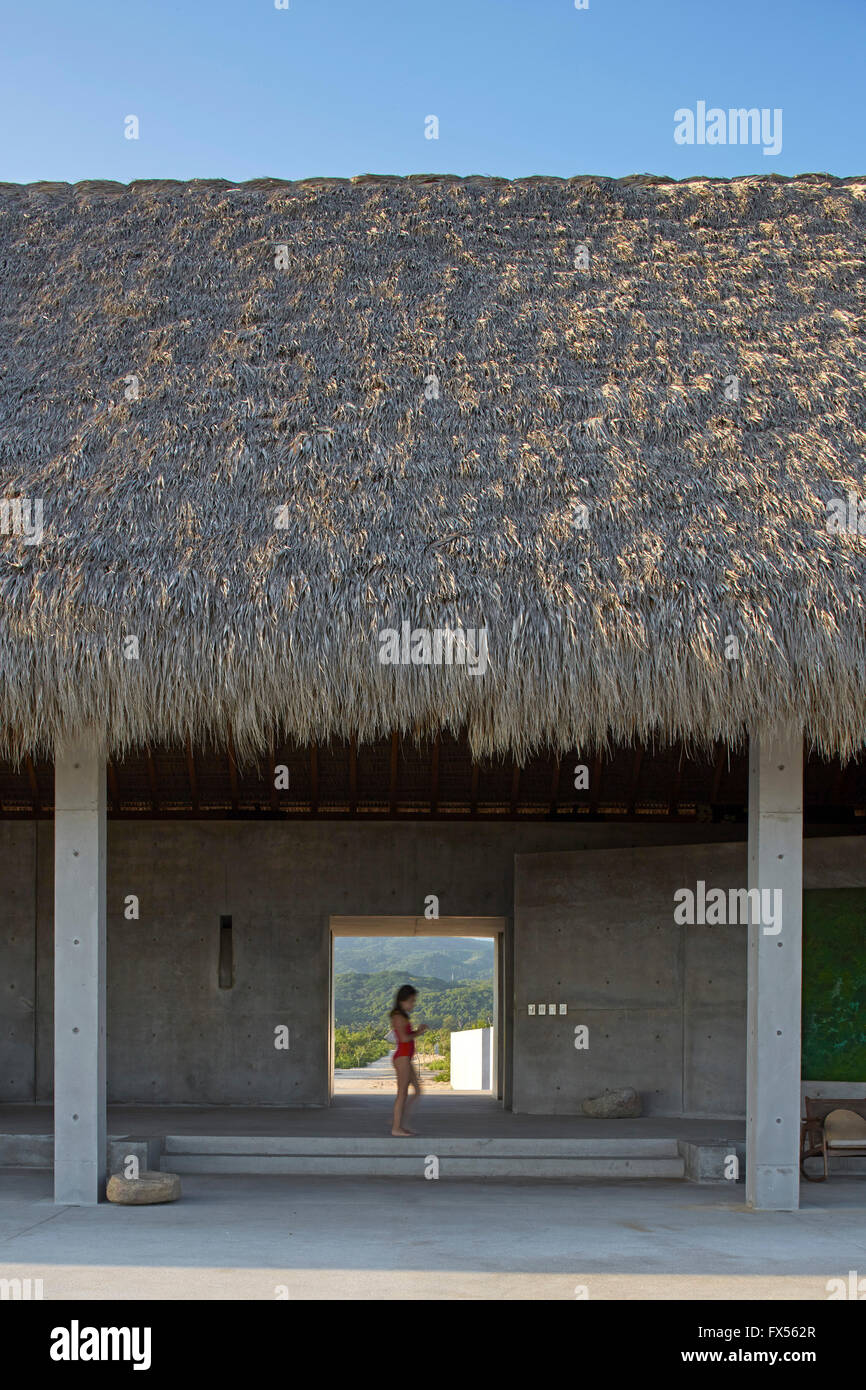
379	1076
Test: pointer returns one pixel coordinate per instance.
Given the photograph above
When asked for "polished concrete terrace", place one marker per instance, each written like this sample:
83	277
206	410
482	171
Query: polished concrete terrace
368	1114
380	1238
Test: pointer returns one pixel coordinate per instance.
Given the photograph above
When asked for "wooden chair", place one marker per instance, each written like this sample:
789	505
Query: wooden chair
815	1142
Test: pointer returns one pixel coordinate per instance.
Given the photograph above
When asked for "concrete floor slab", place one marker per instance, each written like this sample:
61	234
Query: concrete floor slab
368	1115
378	1238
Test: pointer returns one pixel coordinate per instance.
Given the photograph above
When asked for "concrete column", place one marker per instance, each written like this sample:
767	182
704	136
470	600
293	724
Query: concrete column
775	967
79	974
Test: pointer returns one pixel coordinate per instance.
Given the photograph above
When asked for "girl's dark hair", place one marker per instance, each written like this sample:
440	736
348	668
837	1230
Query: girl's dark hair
403	993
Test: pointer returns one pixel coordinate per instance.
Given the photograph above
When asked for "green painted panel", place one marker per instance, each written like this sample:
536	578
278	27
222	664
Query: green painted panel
834	984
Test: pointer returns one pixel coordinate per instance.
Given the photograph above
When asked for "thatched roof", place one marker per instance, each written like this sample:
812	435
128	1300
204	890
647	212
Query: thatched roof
310	388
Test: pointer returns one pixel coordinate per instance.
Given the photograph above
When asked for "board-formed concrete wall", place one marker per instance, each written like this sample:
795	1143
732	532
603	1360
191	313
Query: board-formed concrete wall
664	1003
18	987
175	1037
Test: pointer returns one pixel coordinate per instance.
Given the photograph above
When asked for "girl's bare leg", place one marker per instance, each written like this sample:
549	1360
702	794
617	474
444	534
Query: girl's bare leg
414	1081
401	1067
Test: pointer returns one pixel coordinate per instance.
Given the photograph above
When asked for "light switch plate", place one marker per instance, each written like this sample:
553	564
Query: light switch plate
551	1008
532	1008
542	1008
563	1008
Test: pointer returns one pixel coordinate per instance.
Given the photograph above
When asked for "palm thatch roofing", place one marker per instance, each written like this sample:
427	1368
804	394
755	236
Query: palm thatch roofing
602	419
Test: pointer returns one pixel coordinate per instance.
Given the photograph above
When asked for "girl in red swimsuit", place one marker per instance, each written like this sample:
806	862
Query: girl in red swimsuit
404	1066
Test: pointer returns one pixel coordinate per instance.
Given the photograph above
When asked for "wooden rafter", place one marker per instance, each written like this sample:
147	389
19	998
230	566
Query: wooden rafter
191	774
595	785
392	778
835	787
473	790
674	803
34	785
434	776
113	792
314	778
154	785
353	774
635	774
233	767
515	788
849	794
830	784
272	774
718	771
554	787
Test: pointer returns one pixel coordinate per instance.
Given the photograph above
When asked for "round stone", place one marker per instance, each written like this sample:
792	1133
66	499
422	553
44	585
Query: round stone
143	1191
622	1104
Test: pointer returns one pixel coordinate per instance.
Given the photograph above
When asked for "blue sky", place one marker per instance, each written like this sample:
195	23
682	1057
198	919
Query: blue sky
238	89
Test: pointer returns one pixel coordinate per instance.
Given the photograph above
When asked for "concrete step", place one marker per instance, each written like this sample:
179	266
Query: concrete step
458	1158
26	1150
347	1166
385	1145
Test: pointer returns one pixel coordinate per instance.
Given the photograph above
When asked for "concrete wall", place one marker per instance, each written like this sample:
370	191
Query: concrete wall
665	1004
17	961
175	1037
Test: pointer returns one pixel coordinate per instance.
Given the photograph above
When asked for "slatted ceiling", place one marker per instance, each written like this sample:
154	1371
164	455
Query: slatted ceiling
16	797
696	776
659	775
490	789
610	786
45	779
251	785
560	791
333	775
494	783
455	774
734	785
212	778
373	761
561	775
133	784
569	799
34	785
13	786
854	784
835	789
299	792
415	771
172	776
353	775
821	778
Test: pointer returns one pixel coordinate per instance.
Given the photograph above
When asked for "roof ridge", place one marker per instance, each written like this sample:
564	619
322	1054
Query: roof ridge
266	184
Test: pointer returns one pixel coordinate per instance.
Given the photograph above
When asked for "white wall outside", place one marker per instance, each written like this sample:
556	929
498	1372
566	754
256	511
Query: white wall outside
472	1059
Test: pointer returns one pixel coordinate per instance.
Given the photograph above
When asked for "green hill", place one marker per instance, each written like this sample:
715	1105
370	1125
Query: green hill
440	957
367	999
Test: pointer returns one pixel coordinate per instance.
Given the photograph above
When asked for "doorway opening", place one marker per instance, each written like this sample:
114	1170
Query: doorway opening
460	966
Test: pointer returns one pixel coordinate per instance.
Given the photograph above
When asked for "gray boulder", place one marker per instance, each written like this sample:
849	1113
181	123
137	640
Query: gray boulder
143	1191
614	1105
